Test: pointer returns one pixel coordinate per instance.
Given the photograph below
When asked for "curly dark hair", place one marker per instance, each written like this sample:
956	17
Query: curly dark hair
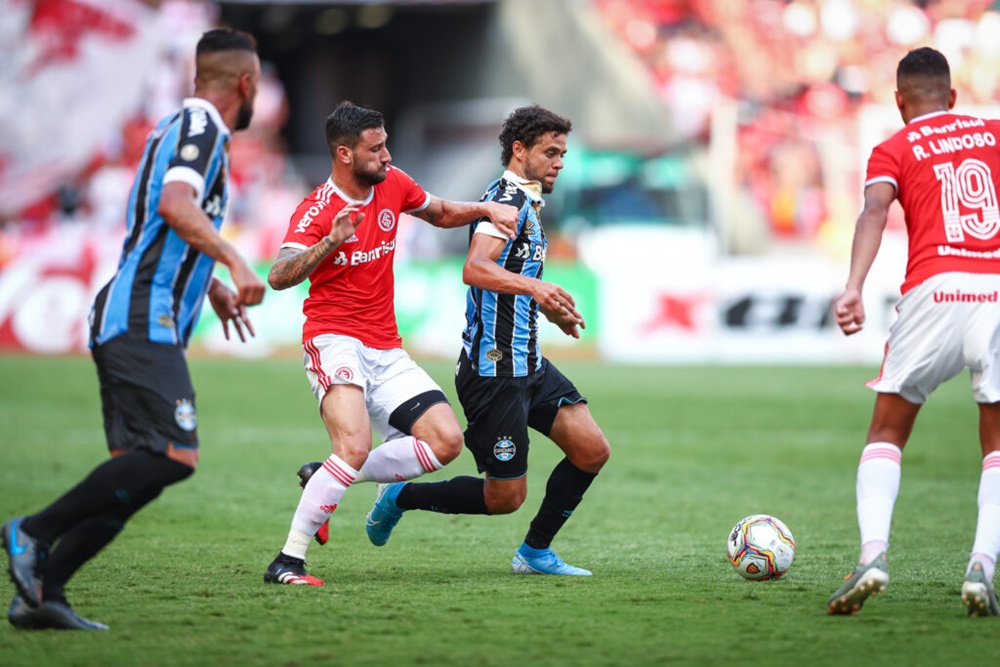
527	125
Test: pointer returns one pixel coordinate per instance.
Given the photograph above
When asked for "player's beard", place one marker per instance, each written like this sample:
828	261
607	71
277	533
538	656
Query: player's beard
370	177
244	115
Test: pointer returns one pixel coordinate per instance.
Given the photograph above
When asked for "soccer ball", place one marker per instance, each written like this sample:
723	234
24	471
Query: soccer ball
761	547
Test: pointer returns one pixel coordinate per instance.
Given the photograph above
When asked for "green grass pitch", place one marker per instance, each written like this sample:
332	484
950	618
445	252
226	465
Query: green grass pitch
694	449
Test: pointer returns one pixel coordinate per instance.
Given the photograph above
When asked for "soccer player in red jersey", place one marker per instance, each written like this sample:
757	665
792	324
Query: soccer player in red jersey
944	169
343	237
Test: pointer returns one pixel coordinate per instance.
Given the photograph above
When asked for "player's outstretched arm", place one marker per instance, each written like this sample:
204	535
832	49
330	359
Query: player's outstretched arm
448	214
293	265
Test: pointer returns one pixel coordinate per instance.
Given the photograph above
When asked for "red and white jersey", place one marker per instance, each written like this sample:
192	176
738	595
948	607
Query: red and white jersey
351	291
945	168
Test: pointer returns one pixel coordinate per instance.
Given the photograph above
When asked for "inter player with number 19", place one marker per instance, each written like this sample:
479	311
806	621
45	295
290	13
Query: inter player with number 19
944	168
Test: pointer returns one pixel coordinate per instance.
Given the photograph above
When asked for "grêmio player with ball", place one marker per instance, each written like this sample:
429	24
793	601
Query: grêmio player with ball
504	383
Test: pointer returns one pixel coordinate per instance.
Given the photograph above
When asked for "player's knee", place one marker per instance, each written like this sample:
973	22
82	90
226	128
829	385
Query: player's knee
592	457
504	505
505	501
353	455
447	445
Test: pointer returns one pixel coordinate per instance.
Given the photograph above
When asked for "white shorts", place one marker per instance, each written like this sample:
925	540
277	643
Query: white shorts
388	378
947	323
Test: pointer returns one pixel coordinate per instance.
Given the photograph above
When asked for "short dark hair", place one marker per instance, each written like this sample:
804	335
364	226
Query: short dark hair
226	39
527	125
924	62
345	125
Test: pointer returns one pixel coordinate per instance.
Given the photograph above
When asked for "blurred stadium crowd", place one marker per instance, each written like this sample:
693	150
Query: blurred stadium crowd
798	74
783	82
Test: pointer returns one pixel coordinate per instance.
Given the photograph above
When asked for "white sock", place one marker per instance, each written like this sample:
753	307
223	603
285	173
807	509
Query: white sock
987	544
320	497
398	460
877	488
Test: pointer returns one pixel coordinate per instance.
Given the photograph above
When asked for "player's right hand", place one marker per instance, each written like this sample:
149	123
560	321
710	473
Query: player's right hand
344	225
849	310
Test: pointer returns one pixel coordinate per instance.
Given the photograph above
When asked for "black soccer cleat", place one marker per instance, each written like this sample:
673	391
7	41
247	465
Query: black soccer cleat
49	615
24	553
304	474
290	571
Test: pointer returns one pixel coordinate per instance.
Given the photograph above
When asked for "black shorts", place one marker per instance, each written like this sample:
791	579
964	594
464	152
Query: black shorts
499	411
146	395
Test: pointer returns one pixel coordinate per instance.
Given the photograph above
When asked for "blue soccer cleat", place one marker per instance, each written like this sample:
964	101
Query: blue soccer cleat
542	561
385	514
24	554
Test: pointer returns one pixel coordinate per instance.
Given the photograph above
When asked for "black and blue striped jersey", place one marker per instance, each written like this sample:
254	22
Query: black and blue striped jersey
501	332
161	282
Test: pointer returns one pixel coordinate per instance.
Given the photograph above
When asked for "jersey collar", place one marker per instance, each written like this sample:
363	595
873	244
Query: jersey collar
531	188
347	198
211	110
928	115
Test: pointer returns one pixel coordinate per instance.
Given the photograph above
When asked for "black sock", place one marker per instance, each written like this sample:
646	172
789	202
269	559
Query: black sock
121	482
81	543
563	493
458	495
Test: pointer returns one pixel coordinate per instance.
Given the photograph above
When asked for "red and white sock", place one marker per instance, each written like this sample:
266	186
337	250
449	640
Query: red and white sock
987	544
877	487
398	460
319	499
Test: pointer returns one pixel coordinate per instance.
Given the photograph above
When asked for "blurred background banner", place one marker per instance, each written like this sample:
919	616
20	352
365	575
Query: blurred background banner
705	212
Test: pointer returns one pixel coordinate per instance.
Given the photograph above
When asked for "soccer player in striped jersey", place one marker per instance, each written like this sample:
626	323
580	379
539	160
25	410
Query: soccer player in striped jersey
503	381
140	325
944	168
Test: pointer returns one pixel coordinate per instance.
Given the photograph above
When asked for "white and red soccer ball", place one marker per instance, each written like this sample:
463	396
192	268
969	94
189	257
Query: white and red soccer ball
761	547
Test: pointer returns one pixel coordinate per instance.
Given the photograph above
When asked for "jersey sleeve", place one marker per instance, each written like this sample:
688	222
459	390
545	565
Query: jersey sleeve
196	143
413	197
512	196
883	166
310	222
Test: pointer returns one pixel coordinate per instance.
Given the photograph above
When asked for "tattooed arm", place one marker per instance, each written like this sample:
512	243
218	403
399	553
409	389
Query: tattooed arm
293	265
448	214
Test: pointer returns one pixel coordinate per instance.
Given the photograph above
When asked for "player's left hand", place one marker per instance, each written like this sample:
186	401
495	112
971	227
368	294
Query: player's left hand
566	318
224	303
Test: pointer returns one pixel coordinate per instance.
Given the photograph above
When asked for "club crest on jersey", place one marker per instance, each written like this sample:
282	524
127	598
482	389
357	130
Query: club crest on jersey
386	220
345	373
185	415
504	450
189	152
